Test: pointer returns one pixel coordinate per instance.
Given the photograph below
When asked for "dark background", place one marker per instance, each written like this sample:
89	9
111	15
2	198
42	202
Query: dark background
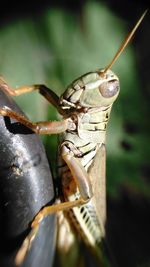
54	42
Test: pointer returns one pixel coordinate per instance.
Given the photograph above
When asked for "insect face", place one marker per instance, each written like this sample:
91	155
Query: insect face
100	89
92	90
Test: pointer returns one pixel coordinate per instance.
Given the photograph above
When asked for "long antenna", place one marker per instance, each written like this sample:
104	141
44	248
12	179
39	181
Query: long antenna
125	42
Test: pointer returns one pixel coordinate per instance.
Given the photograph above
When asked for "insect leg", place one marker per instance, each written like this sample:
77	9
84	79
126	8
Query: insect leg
43	90
78	172
81	177
82	180
36	223
47	127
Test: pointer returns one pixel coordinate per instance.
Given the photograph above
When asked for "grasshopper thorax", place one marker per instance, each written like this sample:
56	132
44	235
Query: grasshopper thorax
92	90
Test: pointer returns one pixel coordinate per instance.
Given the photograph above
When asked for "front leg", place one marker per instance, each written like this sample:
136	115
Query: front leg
46	127
43	90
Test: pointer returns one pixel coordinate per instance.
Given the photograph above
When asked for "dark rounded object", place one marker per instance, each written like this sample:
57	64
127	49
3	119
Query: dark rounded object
25	187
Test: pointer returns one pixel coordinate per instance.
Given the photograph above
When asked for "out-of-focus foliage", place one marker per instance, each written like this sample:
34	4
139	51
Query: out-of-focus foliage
57	48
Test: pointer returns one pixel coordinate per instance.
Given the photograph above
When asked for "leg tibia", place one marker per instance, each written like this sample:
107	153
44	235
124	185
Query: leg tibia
55	208
36	222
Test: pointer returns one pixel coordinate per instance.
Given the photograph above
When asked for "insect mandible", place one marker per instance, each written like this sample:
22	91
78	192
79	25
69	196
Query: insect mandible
85	106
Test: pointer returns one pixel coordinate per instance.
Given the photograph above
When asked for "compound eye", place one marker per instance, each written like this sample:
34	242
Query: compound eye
109	89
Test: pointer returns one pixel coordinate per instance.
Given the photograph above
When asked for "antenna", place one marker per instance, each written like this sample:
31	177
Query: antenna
125	42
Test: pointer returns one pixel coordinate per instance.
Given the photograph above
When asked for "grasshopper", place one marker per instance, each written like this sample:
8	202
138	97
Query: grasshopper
85	107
